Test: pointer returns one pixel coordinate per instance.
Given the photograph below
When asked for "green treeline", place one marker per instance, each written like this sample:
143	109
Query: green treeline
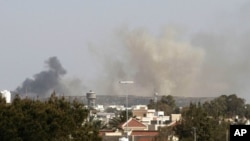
55	119
209	121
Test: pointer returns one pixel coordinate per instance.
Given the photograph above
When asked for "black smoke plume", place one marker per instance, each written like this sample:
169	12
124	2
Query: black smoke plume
44	82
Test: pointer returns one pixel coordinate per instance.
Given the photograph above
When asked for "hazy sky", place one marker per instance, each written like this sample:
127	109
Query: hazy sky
83	33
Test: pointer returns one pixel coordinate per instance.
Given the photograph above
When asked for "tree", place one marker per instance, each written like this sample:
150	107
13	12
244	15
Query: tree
97	124
115	122
196	122
247	111
54	119
196	119
235	105
152	104
169	100
165	134
166	104
111	110
207	121
226	106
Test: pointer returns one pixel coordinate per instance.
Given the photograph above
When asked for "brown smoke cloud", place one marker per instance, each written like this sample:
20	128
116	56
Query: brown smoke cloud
204	64
163	63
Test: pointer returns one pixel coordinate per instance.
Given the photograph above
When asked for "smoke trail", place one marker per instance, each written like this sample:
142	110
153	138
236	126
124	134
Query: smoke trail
45	81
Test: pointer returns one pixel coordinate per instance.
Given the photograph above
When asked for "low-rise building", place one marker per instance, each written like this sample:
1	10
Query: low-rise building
132	125
105	117
175	117
117	107
99	108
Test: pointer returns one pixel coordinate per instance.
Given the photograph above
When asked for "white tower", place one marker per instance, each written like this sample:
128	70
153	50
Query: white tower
91	96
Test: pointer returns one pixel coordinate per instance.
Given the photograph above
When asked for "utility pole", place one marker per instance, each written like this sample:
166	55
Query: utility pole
156	101
194	133
127	82
227	135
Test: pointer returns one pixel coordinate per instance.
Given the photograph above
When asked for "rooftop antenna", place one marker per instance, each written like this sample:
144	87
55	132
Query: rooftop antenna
156	100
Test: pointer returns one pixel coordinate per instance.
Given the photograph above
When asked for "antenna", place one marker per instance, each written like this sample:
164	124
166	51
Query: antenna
156	100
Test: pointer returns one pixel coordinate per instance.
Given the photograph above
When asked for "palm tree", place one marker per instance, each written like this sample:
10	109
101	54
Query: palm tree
115	122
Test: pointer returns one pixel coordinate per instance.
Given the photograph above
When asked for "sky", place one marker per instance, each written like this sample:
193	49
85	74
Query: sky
182	48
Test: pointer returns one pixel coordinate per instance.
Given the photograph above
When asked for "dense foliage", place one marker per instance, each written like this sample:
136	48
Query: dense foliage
208	121
166	104
55	119
196	122
227	106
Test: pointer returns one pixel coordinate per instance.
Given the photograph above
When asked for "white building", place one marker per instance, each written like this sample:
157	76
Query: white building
138	107
99	108
7	95
117	107
105	117
150	117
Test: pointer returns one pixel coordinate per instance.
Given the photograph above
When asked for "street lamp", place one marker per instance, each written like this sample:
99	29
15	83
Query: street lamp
126	82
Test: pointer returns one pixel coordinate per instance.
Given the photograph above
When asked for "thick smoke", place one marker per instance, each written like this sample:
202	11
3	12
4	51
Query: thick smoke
156	63
165	64
206	64
44	82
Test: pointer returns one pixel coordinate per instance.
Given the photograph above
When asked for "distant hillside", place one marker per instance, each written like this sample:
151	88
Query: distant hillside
132	100
141	100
